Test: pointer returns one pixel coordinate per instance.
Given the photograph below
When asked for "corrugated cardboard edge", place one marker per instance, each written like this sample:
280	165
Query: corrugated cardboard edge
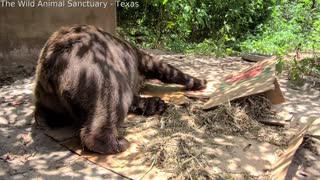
275	95
280	167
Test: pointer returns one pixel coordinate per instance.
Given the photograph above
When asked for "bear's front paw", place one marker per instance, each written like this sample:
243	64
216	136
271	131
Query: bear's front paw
148	106
154	106
197	84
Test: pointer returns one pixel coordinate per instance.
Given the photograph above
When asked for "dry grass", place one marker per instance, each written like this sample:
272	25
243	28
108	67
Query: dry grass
237	117
178	149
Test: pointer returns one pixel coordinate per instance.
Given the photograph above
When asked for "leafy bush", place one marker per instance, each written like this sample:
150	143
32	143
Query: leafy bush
292	24
178	23
223	27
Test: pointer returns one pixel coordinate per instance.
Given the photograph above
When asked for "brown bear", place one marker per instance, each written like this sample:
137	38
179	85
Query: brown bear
90	78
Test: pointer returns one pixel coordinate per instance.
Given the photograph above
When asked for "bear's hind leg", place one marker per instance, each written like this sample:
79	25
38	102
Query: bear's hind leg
49	110
101	131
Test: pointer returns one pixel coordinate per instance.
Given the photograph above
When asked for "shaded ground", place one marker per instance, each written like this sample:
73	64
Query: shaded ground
306	164
27	153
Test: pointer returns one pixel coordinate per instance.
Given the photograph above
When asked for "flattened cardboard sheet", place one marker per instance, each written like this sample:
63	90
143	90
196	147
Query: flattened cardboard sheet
232	154
253	80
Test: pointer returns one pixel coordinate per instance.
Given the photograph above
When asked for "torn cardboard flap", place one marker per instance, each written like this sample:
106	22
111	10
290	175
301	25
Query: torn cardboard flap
170	93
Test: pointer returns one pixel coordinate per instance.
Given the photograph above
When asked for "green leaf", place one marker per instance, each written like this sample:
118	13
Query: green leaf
164	2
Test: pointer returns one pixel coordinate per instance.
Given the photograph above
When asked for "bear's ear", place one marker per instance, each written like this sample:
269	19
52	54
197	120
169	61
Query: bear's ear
77	29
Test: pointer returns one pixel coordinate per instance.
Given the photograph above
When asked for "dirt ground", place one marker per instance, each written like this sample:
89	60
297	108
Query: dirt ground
26	153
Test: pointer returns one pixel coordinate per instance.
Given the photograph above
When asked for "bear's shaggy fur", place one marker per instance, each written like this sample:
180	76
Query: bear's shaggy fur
90	78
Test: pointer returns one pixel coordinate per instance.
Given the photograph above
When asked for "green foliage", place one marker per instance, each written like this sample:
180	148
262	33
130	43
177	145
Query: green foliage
306	67
182	23
292	25
227	27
